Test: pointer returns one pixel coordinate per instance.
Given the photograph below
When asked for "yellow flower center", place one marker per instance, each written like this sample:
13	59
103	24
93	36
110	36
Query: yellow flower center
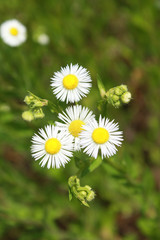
100	135
70	81
75	127
14	31
52	146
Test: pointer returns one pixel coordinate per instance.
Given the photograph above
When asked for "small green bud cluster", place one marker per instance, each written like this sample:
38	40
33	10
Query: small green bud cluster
35	105
118	96
84	194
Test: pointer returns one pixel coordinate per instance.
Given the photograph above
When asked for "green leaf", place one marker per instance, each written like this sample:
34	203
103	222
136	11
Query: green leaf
70	194
96	163
101	86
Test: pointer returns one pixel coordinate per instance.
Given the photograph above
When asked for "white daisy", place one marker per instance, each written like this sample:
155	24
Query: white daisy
52	146
73	120
103	135
13	32
71	83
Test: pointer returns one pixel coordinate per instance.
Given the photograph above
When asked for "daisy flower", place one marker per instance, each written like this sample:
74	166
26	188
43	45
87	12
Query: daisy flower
73	120
52	146
103	135
13	32
71	83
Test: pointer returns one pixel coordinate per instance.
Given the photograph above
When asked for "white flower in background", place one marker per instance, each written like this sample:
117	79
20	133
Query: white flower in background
52	146
71	83
43	39
102	135
73	120
13	32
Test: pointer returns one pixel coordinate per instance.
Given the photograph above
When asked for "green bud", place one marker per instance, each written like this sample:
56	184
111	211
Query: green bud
37	103
90	196
118	91
38	113
40	103
83	194
111	91
115	98
117	104
126	97
118	96
74	191
28	99
27	116
124	88
87	188
71	181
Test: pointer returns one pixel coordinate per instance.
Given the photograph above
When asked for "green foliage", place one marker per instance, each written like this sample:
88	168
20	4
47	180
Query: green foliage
119	40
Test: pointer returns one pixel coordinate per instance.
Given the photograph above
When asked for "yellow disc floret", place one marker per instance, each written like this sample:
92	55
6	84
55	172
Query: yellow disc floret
52	146
100	135
75	127
70	81
14	31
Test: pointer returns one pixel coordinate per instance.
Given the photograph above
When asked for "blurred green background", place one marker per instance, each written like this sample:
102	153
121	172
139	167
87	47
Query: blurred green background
120	41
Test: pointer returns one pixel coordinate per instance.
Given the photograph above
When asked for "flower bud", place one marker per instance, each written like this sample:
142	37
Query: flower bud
115	98
126	97
28	99
87	188
123	88
72	181
118	91
83	194
40	102
117	104
27	116
35	105
38	113
90	196
118	96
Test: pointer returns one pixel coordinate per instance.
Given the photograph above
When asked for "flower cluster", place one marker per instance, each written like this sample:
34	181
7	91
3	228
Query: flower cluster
35	105
84	194
118	96
78	128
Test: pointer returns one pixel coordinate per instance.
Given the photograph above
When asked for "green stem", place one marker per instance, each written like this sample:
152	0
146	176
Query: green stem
55	108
